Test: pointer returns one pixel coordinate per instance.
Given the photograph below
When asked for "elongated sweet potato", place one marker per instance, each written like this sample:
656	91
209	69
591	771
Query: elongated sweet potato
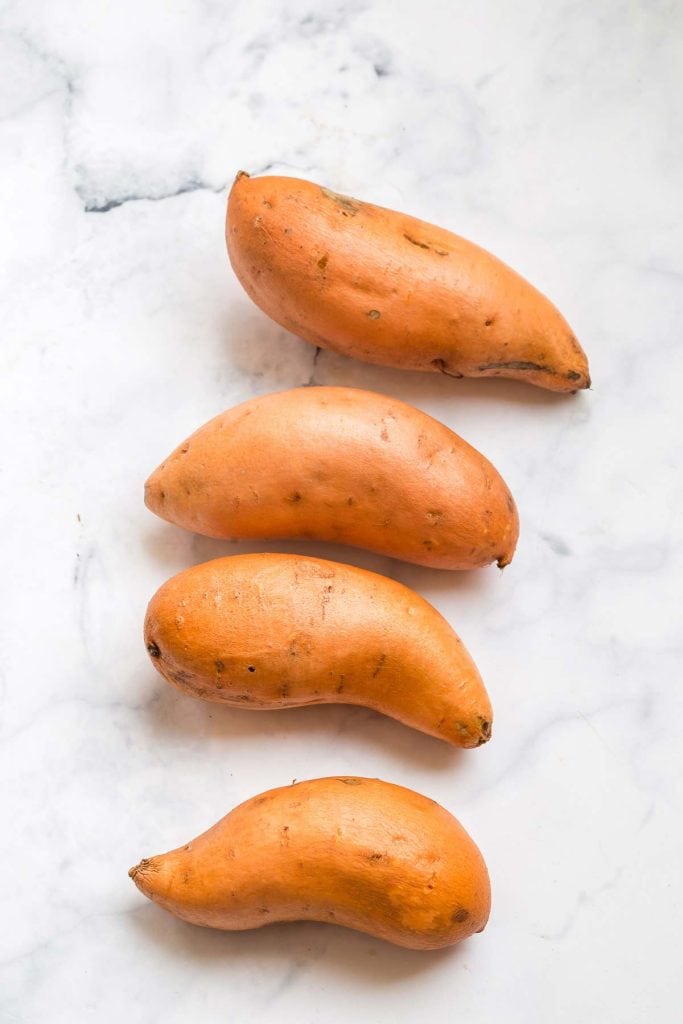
342	465
282	631
389	289
356	852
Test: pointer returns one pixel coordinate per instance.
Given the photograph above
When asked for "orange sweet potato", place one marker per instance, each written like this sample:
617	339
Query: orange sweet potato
386	288
356	852
283	631
337	464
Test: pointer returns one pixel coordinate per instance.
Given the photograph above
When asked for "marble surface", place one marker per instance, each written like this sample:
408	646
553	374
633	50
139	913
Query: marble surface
550	133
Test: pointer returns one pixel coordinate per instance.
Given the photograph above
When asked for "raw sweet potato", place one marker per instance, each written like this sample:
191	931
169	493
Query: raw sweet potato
356	852
337	464
389	289
282	631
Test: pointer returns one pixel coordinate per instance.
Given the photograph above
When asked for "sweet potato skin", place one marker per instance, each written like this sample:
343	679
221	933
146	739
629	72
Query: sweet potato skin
387	288
341	465
357	852
281	631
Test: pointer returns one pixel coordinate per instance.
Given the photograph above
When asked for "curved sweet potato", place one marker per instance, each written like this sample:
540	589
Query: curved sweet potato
282	631
389	289
356	852
342	465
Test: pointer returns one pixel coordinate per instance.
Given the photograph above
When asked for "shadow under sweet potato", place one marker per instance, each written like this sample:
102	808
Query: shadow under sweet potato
284	951
173	715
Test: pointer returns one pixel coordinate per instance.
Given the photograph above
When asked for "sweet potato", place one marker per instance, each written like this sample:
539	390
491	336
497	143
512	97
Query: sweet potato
282	631
337	464
356	852
386	288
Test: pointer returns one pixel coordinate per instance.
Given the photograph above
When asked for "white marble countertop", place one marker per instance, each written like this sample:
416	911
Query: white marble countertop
549	133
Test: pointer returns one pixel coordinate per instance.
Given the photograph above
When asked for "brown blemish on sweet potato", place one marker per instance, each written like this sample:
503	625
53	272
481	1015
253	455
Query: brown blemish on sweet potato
442	366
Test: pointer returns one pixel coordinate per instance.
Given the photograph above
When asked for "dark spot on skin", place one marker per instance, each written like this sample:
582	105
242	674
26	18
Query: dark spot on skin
434	515
219	665
181	676
573	375
185	448
322	262
162	495
350	782
267	204
374	314
261	799
510	503
487	323
428	544
153	650
340	684
375	856
186	877
293	497
348	206
485	727
423	245
414	241
284	690
379	666
350	501
516	364
264	910
460	915
250	668
384	434
442	366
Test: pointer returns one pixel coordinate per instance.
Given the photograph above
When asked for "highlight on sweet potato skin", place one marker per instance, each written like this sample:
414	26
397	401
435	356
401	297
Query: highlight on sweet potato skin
357	852
387	288
342	465
281	631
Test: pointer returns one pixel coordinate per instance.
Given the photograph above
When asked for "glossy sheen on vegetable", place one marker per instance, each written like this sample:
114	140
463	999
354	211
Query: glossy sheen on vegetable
390	289
337	464
356	852
282	631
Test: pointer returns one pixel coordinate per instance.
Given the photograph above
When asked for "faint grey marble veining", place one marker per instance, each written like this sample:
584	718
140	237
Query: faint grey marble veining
585	898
